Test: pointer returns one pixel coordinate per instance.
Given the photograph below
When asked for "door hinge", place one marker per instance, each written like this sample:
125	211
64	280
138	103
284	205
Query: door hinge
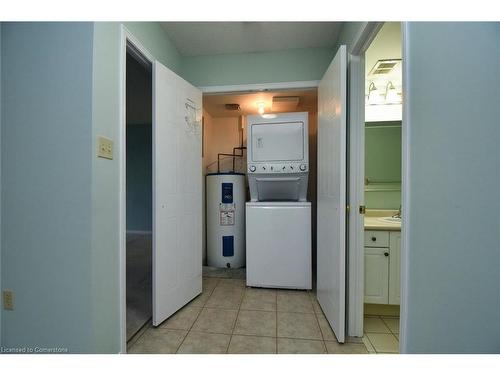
348	208
362	210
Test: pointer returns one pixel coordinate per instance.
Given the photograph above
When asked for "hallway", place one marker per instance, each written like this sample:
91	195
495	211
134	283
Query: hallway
229	317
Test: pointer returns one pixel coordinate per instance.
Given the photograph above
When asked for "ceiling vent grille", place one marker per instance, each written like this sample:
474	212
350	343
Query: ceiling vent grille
232	106
384	66
285	103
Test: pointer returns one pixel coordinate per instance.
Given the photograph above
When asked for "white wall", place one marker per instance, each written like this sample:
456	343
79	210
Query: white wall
452	275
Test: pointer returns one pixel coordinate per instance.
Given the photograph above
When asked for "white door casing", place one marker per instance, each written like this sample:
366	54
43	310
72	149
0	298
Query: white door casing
177	193
331	226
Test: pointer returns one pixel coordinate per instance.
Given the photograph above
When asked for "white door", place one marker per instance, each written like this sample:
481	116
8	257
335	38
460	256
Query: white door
376	275
331	226
177	193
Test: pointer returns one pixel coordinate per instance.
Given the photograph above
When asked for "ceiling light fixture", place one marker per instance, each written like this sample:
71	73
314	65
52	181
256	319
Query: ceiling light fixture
261	107
373	94
391	95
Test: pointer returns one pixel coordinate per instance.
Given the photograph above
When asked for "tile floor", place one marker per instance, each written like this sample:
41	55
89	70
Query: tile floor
229	317
381	334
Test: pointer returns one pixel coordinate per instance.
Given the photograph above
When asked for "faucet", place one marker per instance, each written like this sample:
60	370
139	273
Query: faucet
398	214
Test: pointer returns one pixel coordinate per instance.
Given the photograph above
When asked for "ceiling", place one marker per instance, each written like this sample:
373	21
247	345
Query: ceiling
215	38
386	45
214	104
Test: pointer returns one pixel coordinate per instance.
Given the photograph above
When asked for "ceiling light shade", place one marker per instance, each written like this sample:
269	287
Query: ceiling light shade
261	107
373	95
391	94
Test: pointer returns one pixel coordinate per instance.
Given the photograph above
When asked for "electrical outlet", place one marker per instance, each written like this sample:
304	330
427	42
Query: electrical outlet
8	300
104	148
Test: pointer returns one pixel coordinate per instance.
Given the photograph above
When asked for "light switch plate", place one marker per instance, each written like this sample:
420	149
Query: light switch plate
104	148
8	300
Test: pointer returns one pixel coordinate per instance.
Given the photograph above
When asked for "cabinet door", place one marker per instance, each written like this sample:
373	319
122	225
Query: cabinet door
394	267
376	275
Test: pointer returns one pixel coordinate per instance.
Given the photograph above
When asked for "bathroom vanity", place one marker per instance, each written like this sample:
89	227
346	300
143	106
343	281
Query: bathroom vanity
382	242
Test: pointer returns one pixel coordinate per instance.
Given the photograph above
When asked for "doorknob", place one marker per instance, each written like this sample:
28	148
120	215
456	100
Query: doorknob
386	254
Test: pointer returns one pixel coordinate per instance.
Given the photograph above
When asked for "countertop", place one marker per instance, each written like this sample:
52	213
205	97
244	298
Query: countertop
373	222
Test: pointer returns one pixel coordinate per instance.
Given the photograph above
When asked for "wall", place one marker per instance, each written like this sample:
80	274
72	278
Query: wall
46	85
277	66
383	165
139	177
1	23
452	266
222	136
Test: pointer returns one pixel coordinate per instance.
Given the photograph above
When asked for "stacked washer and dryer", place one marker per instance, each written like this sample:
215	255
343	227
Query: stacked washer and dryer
278	216
277	228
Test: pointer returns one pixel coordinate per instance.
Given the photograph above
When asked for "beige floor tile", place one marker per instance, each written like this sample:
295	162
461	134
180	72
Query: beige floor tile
294	302
268	295
368	345
384	342
298	346
325	328
252	345
334	347
298	325
393	324
375	325
316	306
182	319
225	298
231	283
258	323
200	300
215	321
204	343
139	333
259	299
160	341
209	284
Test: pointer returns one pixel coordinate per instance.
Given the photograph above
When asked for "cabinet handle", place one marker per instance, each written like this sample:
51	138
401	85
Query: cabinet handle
386	254
374	239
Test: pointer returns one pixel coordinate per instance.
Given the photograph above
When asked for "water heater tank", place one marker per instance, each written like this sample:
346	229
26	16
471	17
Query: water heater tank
225	220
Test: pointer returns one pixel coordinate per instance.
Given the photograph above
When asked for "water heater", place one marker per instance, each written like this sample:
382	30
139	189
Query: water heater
225	220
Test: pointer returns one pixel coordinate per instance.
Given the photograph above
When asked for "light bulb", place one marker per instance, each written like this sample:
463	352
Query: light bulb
261	107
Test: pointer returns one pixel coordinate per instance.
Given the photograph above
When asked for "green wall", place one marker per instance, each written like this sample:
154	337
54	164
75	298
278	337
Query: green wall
46	93
277	66
139	177
383	165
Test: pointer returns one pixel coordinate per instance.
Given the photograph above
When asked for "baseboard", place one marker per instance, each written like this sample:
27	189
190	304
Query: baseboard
142	232
383	310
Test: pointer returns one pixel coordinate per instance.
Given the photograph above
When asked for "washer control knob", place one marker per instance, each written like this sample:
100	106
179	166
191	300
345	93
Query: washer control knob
253	168
303	167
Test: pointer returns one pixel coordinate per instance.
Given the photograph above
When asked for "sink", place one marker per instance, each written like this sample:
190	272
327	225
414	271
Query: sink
390	219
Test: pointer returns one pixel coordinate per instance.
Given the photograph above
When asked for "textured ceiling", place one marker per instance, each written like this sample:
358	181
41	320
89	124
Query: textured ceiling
215	38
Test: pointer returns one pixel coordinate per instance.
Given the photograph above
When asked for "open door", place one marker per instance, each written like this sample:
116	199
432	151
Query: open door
331	226
177	193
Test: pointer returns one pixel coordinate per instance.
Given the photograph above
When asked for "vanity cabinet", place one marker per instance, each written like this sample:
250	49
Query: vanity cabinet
382	267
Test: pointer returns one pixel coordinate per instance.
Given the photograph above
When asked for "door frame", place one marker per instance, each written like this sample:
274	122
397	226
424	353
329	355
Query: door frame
356	72
127	40
356	168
